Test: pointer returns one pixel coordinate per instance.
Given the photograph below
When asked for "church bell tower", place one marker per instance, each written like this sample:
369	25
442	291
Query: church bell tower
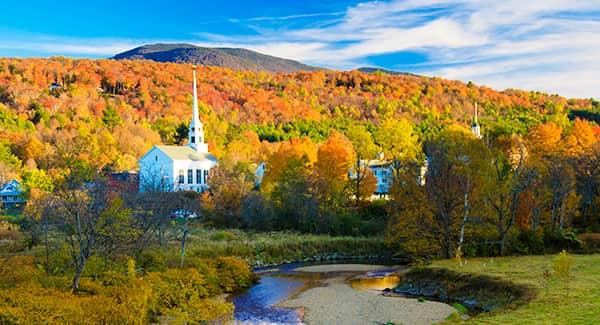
196	132
475	128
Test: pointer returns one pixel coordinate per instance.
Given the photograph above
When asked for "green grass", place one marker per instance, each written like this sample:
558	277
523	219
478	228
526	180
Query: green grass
280	247
578	305
12	216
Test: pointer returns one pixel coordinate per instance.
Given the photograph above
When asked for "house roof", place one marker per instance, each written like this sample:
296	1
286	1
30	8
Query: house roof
11	188
185	153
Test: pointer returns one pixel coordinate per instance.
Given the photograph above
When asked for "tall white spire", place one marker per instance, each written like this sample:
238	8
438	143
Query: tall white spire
475	125
196	131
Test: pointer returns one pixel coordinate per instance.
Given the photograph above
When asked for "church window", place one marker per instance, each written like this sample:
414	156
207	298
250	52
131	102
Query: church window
156	158
205	176
190	176
198	176
193	139
181	177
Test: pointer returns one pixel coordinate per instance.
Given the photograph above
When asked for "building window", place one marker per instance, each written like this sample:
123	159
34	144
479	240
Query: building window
193	139
205	176
181	176
156	158
198	176
190	176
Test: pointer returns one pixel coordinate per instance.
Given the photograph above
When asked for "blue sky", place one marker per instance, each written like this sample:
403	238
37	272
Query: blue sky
550	45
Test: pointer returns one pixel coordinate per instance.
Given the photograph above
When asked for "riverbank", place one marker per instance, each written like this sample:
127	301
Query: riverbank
275	248
556	302
334	301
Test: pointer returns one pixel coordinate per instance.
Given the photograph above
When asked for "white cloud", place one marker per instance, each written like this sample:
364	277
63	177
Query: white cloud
54	45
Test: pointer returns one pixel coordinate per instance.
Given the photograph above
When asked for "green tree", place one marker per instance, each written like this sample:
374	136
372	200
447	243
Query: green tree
111	118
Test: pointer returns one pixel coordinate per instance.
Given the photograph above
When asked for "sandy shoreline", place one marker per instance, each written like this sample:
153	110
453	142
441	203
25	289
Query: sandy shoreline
336	302
339	268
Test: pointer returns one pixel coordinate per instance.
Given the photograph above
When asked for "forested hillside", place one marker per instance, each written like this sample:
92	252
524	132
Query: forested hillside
63	112
233	58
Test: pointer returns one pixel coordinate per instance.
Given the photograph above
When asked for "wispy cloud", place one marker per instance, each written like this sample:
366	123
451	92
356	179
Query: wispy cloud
288	17
546	45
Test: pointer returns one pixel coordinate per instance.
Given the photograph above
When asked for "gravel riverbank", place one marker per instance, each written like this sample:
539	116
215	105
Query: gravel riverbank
336	302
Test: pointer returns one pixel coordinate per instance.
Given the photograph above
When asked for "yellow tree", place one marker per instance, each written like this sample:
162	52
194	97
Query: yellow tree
581	139
545	138
398	141
363	182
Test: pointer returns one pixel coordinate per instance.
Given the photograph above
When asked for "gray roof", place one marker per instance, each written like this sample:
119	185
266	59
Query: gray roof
186	153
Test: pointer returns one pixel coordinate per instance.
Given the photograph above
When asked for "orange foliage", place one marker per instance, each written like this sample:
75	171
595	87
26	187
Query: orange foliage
581	139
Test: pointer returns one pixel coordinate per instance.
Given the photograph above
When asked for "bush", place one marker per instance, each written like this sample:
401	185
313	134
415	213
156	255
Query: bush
234	274
17	270
561	239
528	242
152	260
117	296
223	235
590	241
183	294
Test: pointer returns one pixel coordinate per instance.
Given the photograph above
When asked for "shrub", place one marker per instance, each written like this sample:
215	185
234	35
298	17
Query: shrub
561	239
234	274
590	241
562	268
223	235
182	294
152	260
17	270
528	242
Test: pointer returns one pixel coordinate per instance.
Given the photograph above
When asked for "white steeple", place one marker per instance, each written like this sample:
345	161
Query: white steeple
196	132
475	125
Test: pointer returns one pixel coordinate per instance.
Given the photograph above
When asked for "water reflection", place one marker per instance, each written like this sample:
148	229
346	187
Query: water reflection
256	305
375	282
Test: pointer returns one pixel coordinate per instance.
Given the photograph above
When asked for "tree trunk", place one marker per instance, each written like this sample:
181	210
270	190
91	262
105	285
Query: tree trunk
77	278
447	244
183	240
47	246
358	180
464	221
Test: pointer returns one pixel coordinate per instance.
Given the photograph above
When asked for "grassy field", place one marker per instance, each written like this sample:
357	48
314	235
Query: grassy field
579	303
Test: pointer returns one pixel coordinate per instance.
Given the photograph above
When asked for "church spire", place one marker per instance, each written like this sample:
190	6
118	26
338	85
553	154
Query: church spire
475	125
196	131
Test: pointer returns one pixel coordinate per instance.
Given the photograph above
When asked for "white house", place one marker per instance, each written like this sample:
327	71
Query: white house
11	195
383	171
259	174
179	168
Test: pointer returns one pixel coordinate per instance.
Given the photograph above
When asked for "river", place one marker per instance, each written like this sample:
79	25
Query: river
259	304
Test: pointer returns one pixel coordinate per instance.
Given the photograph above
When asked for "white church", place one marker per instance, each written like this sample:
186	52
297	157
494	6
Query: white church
179	168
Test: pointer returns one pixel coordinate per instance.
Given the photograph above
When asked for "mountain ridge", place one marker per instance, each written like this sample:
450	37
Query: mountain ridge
234	58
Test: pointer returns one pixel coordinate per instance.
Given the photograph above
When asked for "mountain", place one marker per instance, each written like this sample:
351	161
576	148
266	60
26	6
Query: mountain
234	58
373	70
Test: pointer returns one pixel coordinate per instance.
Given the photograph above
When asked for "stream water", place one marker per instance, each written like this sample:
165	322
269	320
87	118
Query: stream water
258	304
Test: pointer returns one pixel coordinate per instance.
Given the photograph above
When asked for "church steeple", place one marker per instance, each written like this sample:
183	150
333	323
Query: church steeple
196	132
475	125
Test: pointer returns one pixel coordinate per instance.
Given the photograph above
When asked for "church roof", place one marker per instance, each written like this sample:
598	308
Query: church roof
185	153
